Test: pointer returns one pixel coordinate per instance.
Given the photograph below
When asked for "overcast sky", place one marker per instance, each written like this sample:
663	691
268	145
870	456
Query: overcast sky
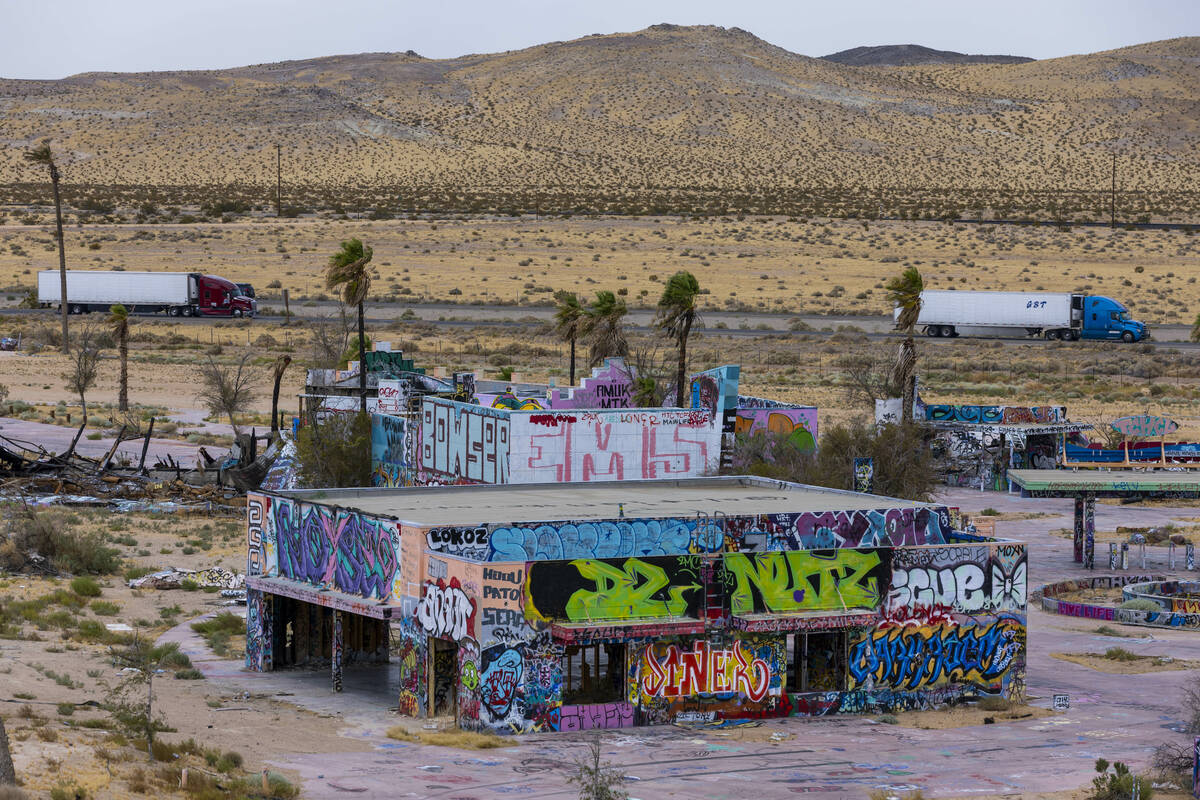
56	38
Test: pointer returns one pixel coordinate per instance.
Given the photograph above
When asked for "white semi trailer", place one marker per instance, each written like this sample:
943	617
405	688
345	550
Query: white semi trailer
174	293
1053	315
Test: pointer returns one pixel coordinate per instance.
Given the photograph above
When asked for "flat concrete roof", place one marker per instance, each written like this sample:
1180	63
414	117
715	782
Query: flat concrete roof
1101	481
478	505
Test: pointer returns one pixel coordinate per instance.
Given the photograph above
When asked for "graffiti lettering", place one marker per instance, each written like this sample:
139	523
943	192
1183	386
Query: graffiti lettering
912	658
598	716
499	682
806	580
632	591
461	441
466	542
446	610
342	550
960	587
702	670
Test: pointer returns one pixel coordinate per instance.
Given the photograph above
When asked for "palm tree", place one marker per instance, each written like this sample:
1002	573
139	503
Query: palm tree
676	314
603	327
904	292
569	322
118	320
42	155
348	270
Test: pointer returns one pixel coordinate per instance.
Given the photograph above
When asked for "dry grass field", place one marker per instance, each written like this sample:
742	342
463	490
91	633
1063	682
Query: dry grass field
668	117
757	263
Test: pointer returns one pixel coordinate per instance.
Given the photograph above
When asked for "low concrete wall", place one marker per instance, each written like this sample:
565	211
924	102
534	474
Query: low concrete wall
1166	618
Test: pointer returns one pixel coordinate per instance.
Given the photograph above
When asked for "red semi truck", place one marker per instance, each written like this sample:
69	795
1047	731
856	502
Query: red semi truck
185	294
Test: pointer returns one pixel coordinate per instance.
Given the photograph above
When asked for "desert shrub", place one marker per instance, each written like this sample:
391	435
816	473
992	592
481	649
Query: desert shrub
28	535
995	703
1141	604
85	586
1118	784
335	452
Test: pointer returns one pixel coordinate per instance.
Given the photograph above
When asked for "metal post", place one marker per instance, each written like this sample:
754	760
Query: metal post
1171	554
1143	548
1089	531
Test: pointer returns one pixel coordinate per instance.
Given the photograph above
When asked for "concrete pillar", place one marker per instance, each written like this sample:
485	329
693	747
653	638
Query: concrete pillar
1189	556
1089	532
336	650
1112	555
1079	530
1125	556
259	628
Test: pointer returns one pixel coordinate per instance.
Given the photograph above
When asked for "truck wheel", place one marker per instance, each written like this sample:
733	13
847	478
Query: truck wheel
932	330
1127	337
1072	336
173	311
946	332
1052	336
187	311
76	309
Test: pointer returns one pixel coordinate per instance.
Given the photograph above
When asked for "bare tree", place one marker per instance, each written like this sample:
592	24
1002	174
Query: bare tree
596	779
140	660
226	389
84	364
868	377
330	338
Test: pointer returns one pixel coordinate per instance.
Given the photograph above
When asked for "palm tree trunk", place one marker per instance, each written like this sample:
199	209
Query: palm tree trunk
362	361
123	395
572	383
909	385
62	258
681	372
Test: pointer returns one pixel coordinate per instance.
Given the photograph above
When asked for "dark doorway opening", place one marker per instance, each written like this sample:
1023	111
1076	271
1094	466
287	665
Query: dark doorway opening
593	673
818	661
444	678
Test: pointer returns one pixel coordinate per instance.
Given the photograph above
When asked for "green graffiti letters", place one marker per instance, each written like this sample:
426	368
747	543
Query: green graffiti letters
781	582
635	590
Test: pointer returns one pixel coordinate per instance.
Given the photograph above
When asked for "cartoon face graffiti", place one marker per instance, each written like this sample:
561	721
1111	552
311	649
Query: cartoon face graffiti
500	681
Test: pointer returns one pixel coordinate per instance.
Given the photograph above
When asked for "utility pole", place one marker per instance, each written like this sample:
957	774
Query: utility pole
278	179
1112	202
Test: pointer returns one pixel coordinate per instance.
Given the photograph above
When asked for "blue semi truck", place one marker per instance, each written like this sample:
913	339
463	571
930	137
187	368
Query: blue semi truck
1051	315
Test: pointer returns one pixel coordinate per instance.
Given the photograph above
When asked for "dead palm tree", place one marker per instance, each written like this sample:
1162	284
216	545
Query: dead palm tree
604	328
568	322
348	271
677	313
904	292
42	155
118	321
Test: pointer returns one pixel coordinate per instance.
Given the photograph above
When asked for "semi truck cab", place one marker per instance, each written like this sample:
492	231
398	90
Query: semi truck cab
1105	318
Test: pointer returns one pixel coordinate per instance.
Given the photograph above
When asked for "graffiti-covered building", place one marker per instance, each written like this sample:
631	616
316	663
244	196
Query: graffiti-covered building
565	606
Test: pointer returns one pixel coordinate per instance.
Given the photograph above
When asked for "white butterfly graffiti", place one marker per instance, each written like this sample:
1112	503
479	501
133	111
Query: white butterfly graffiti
1008	589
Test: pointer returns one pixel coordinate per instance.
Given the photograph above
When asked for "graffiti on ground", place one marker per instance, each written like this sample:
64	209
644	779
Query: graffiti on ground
596	716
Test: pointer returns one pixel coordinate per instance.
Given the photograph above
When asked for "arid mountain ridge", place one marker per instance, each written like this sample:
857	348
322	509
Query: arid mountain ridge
702	109
912	55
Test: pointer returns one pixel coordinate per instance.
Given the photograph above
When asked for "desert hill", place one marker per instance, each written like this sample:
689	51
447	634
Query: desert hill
694	108
911	55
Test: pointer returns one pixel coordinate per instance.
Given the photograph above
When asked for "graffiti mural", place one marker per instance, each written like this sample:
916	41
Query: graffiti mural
446	610
976	414
392	451
259	640
591	589
503	620
408	649
520	688
469	542
610	386
596	716
790	582
798	424
1144	426
703	670
463	442
336	549
964	579
917	657
640	444
651	537
468	685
